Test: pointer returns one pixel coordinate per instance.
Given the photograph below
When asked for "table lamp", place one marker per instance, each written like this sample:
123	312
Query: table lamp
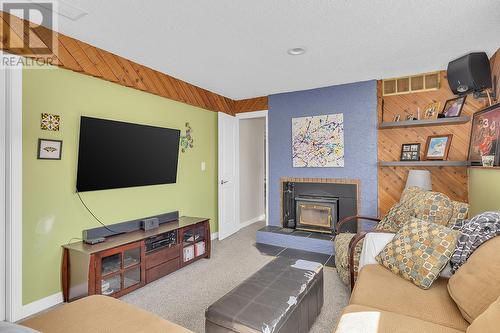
419	178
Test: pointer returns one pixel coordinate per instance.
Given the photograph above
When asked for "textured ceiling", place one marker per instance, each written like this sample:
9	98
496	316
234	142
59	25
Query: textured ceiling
238	48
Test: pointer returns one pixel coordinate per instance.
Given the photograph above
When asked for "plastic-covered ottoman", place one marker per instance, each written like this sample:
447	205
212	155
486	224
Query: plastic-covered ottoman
286	295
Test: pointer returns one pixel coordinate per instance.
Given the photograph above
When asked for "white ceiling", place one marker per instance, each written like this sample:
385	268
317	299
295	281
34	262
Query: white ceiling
238	48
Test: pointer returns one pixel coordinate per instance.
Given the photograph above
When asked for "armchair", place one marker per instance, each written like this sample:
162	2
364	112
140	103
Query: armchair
348	245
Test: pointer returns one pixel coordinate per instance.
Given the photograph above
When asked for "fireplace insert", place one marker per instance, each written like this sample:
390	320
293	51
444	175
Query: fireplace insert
317	206
316	213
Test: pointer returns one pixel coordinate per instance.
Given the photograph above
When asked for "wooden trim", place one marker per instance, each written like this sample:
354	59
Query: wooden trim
348	181
87	59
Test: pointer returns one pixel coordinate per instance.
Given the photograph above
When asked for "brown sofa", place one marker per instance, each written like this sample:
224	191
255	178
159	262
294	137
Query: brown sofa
469	301
100	314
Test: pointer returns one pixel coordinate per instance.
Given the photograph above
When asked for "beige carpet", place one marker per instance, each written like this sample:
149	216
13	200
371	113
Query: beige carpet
183	296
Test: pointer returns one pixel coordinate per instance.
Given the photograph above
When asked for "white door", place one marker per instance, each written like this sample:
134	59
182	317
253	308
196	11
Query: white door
228	175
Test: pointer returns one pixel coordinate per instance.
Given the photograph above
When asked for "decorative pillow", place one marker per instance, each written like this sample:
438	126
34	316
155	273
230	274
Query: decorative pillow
433	207
419	251
397	215
401	212
460	213
410	192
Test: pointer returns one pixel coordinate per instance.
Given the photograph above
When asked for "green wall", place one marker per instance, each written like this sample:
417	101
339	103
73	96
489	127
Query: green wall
52	213
484	190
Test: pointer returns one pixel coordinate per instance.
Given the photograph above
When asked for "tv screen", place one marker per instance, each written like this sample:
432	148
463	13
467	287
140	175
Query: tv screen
114	154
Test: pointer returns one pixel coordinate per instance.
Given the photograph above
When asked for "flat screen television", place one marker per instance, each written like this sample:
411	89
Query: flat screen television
115	154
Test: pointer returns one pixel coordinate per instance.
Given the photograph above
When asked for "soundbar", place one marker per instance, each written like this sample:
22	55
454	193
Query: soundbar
89	236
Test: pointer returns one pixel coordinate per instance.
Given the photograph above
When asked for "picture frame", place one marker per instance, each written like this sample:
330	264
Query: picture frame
410	152
431	111
49	149
453	107
437	147
485	135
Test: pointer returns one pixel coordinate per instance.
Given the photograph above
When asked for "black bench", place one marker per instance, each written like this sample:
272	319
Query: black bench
286	295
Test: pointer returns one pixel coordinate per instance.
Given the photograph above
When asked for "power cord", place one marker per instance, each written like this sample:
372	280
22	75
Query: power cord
95	217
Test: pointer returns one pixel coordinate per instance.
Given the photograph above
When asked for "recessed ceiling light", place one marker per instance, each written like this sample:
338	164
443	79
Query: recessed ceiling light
296	51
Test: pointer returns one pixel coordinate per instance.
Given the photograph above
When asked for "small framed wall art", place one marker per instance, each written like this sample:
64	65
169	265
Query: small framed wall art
410	152
431	111
453	107
437	147
49	149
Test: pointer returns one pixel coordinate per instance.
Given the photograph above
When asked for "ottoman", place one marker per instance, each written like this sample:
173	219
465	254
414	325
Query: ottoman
286	295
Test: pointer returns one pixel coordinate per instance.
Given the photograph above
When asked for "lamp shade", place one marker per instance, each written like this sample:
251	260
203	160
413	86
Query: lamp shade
419	178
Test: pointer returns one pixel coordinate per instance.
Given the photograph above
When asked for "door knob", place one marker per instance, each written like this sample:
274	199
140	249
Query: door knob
222	182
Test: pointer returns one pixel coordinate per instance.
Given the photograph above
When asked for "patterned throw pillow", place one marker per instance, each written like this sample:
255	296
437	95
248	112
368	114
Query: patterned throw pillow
433	207
460	213
401	212
419	251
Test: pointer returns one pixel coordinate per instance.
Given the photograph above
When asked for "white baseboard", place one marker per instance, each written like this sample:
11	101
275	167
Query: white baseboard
42	304
252	221
214	235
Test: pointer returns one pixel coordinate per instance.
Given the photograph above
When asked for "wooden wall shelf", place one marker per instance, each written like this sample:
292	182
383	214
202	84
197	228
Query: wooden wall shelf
487	168
425	122
423	163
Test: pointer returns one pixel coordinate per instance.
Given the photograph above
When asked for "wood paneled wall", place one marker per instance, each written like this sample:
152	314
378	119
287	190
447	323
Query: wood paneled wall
252	104
81	57
449	180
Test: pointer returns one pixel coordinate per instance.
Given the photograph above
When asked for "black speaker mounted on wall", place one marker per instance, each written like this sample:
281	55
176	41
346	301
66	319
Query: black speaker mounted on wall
469	74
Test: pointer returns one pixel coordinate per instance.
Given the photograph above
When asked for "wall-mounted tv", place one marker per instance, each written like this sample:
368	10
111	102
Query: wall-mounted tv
114	154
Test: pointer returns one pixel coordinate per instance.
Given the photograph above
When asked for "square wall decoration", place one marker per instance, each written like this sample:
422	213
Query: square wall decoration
318	141
49	149
50	122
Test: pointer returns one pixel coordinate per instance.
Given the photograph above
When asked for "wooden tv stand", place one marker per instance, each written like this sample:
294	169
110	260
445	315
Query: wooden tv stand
122	263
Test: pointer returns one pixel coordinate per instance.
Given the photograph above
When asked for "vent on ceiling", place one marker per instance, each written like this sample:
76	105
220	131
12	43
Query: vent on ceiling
411	84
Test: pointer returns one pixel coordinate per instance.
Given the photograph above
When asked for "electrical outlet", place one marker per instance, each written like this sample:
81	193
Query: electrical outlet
203	166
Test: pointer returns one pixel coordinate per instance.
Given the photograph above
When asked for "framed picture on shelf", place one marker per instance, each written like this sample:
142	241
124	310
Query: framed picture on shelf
453	107
396	118
437	147
485	135
49	149
410	152
431	111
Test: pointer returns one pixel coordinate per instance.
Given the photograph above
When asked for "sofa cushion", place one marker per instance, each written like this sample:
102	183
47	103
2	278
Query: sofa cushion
476	284
488	321
359	318
419	251
379	288
100	314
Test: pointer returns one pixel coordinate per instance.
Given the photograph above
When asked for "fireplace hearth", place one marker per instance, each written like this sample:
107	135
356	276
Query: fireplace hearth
316	205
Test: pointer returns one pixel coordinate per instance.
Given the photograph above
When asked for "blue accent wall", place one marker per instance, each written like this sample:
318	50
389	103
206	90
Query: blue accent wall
358	103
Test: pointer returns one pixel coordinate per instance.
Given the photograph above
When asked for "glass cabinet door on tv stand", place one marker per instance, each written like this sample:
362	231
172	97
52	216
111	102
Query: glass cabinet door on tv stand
120	270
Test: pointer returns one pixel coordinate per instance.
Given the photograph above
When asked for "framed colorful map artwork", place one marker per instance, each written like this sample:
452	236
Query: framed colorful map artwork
318	141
